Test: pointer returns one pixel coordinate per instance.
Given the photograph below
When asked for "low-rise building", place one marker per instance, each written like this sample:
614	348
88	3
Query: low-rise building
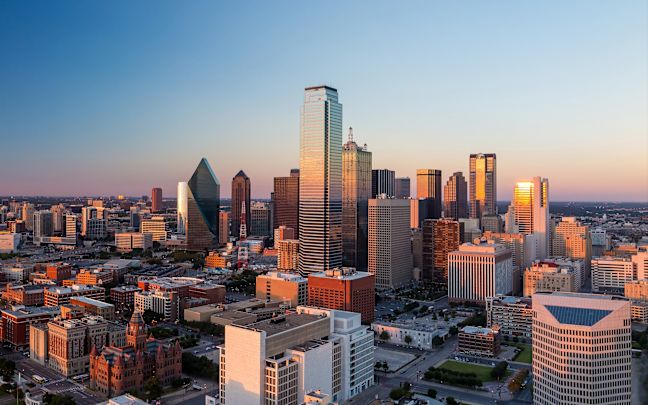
478	341
418	333
128	241
547	277
123	297
610	274
14	326
344	289
163	303
639	311
94	277
28	295
289	288
95	307
637	290
513	315
56	296
18	273
9	242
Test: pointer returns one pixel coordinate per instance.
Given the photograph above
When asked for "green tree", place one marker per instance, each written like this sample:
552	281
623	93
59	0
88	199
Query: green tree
7	368
432	393
499	370
384	335
150	316
408	339
153	388
451	401
437	341
51	399
454	330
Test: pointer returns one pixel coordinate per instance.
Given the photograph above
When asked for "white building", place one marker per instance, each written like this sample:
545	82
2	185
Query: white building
531	212
610	274
514	315
163	303
581	349
9	242
479	270
17	273
156	226
389	251
127	241
420	332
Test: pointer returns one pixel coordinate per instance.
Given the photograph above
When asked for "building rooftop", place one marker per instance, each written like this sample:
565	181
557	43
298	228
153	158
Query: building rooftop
126	288
283	323
280	275
73	288
20	311
341	273
473	330
577	316
91	301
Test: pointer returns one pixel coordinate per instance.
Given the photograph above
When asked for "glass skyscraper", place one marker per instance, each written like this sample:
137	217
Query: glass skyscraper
483	184
320	181
203	203
183	190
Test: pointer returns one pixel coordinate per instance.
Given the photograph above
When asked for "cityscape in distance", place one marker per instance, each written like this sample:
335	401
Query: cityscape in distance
277	203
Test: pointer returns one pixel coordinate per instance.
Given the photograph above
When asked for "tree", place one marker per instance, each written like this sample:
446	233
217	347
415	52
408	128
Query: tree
454	330
385	366
153	388
199	366
7	369
499	370
437	341
51	399
408	339
451	401
384	335
432	393
150	316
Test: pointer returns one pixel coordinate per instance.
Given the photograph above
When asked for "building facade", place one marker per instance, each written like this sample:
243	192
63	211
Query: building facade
455	197
343	289
383	181
241	194
285	287
286	201
483	184
203	204
513	315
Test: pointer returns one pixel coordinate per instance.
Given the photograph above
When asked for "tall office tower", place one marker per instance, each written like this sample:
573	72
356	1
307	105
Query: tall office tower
427	249
492	223
57	218
261	219
403	189
478	271
383	181
344	289
428	192
282	232
156	199
483	184
531	212
320	181
415	219
224	228
573	240
28	215
240	194
87	214
390	254
183	209
42	224
70	226
581	349
522	249
455	197
203	204
356	192
447	238
286	201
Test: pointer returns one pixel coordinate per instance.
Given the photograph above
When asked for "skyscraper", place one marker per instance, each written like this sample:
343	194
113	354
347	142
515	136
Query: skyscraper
203	203
240	194
183	210
383	181
286	201
581	349
455	197
428	189
356	191
483	184
573	240
320	182
531	212
403	187
156	199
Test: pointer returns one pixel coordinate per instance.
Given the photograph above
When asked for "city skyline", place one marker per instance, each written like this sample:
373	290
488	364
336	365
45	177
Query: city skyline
115	109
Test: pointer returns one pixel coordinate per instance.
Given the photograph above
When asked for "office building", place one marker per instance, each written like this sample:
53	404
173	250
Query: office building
156	226
571	239
440	237
479	270
94	276
581	349
26	294
389	251
611	273
16	321
57	296
9	242
455	197
522	249
123	297
320	181
166	304
27	215
356	192
241	193
261	219
428	189
224	219
42	224
288	255
95	307
383	181
282	232
286	201
127	241
483	184
289	288
70	226
513	316
636	290
480	342
203	204
492	223
282	361
182	207
344	289
58	211
156	200
531	212
403	189
547	277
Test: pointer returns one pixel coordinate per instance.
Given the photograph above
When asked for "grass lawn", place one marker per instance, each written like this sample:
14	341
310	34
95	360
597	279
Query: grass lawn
525	355
482	372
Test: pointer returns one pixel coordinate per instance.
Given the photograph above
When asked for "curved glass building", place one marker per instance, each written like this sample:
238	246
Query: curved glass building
203	204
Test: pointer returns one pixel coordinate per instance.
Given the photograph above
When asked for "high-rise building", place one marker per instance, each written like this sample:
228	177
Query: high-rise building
241	193
261	219
483	184
182	209
224	228
571	239
356	191
478	271
283	232
344	289
492	223
428	189
156	199
403	188
320	181
522	249
203	204
531	212
57	218
447	238
42	224
513	315
390	255
28	215
70	226
287	254
610	274
581	349
289	288
383	181
548	277
286	201
455	197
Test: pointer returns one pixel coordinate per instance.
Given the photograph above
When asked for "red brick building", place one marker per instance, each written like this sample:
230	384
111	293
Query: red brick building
58	272
14	324
28	295
344	289
116	370
124	297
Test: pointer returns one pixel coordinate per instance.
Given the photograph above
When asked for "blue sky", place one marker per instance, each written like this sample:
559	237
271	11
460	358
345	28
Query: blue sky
106	98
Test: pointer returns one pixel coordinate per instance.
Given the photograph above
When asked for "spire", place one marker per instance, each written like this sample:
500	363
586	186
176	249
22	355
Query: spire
350	134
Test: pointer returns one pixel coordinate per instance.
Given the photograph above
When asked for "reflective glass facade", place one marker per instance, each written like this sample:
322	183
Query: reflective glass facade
240	193
483	184
183	190
320	181
203	203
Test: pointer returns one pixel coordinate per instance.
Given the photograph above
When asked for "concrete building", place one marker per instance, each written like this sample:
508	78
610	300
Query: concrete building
573	240
165	304
28	295
56	296
286	201
636	290
421	333
581	349
95	307
17	273
288	255
483	184
96	276
523	252
513	315
390	256
455	197
481	342
343	289
531	212
123	297
289	288
156	199
479	270
383	181
16	320
547	276
9	242
281	360
261	217
610	274
127	241
224	219
156	226
403	188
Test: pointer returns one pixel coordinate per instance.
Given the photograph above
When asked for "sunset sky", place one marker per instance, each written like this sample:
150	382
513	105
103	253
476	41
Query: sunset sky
107	98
